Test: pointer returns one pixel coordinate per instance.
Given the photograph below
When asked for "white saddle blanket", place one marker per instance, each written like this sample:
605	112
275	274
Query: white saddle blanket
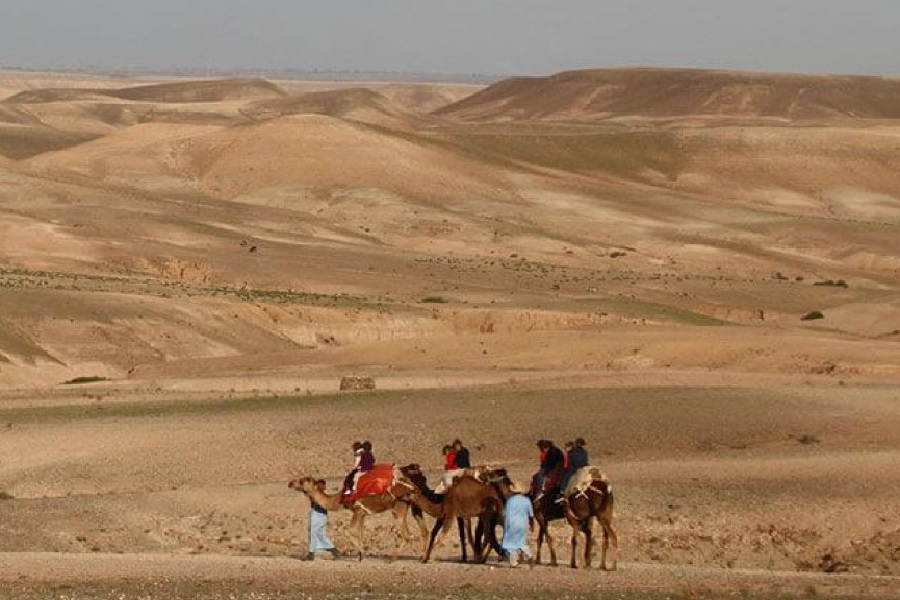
582	480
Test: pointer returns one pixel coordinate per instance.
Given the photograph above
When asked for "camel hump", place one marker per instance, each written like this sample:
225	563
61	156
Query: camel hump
583	478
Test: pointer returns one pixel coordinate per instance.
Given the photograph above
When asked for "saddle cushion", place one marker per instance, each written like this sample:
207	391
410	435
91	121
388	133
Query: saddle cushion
582	479
372	483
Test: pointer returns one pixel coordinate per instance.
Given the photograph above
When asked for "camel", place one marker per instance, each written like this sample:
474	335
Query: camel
467	498
414	474
597	501
545	510
396	499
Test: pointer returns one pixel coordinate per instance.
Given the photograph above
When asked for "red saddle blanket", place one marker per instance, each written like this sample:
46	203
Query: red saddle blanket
372	483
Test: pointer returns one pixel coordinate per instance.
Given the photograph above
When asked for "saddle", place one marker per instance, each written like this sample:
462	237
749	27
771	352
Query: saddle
372	483
582	479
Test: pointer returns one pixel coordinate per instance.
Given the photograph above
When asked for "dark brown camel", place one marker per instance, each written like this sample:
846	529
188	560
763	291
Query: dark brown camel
597	501
414	474
545	510
467	498
581	507
396	500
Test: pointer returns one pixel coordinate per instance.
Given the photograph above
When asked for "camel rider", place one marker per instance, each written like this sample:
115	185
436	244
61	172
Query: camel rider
350	479
552	464
451	470
450	459
576	458
367	460
462	455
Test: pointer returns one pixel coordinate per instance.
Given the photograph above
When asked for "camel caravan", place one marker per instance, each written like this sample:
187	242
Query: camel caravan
565	487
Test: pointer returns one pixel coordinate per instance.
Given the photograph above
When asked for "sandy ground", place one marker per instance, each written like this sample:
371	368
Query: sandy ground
188	269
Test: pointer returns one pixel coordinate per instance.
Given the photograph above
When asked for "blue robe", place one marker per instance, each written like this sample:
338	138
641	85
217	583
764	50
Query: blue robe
516	523
318	532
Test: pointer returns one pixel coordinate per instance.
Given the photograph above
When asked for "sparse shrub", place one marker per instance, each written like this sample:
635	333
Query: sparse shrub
618	254
812	316
832	283
808	439
88	379
433	300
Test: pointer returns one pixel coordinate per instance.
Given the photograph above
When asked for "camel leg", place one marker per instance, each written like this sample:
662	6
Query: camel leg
490	542
573	562
587	543
550	544
461	526
401	532
542	530
438	524
480	540
611	541
355	529
475	544
423	529
436	543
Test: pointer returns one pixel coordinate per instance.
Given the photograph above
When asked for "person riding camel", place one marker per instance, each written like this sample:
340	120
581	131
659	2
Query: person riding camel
367	460
350	479
576	458
450	459
552	464
451	469
461	454
363	463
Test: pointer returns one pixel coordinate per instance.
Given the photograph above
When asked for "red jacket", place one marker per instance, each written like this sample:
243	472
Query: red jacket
450	462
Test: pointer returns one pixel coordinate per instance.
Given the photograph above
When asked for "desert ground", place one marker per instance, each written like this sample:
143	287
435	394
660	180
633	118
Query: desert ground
697	271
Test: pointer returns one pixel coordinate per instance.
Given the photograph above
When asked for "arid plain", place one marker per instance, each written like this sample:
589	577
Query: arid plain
697	271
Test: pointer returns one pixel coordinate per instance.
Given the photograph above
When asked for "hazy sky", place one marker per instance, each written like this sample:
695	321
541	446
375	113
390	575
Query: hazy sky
454	36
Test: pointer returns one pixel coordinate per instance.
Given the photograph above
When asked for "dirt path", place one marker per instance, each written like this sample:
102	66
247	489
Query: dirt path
162	575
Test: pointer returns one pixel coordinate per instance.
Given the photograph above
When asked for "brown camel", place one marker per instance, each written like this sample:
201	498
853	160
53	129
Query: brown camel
415	475
396	499
597	501
581	507
467	498
545	510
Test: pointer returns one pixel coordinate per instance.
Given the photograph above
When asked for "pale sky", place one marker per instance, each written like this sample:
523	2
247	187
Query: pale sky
454	36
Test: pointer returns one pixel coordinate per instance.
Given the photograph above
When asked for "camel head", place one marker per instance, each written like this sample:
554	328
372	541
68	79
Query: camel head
303	484
414	474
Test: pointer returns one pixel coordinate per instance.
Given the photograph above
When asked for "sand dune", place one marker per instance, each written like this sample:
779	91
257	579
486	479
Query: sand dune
662	93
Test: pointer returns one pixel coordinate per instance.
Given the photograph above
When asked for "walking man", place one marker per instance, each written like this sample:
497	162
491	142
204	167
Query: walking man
518	524
318	528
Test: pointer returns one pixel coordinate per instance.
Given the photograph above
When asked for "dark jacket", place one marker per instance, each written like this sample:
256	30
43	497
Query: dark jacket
553	461
366	462
462	459
578	458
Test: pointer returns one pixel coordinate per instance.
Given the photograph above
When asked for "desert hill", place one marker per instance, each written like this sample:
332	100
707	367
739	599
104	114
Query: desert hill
669	93
189	271
356	104
178	92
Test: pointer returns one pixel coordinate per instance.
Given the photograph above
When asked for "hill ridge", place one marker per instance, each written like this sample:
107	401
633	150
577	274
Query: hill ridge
597	94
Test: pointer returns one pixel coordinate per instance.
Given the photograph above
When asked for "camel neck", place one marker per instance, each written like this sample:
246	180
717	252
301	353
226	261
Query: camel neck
327	501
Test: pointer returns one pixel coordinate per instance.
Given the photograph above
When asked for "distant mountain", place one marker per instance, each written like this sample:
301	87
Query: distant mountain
676	93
